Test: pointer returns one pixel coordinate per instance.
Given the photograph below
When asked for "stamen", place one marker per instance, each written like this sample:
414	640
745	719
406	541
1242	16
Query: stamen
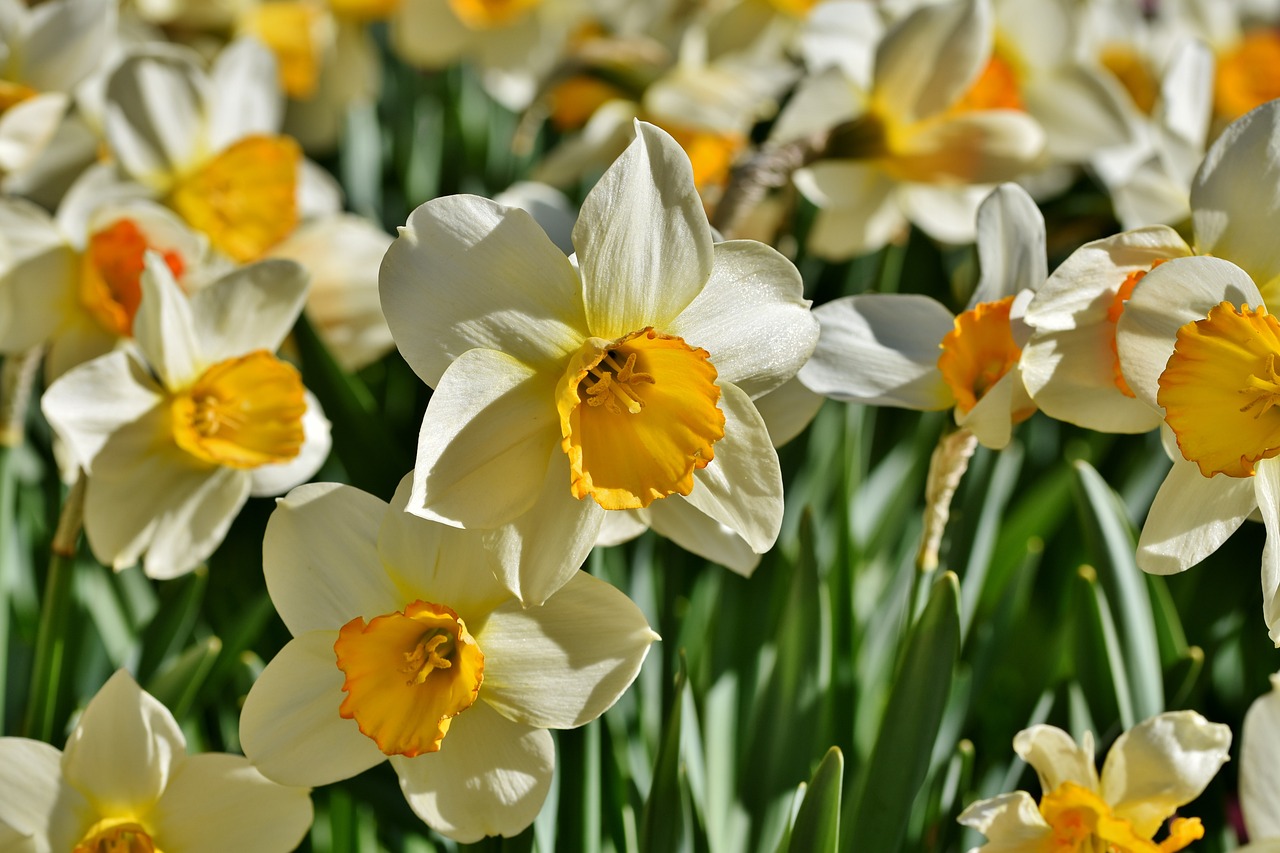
425	658
1266	389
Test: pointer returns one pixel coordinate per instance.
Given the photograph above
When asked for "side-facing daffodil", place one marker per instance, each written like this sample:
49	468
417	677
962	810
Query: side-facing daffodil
621	378
407	648
125	783
1150	771
176	434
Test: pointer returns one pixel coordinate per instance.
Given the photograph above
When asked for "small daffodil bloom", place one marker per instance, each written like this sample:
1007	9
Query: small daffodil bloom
620	379
177	433
407	648
125	783
1150	771
908	350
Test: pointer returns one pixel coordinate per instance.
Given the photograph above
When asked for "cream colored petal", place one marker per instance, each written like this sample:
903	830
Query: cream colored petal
251	308
946	213
217	802
246	97
788	409
698	533
428	34
1080	112
190	526
566	662
37	803
490	776
482	451
66	43
1266	483
857	210
1011	245
1260	766
466	272
843	33
155	115
549	207
89	404
320	558
289	726
272	480
742	487
1057	758
1191	517
881	349
28	128
751	317
1171	295
165	328
1161	764
643	242
124	748
971	148
821	101
1012	823
38	274
929	59
1234	196
99	186
622	526
600	141
991	418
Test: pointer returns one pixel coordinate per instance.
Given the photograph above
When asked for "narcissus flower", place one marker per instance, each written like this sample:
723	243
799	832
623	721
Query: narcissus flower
126	783
176	434
908	350
623	380
1260	772
1150	771
406	647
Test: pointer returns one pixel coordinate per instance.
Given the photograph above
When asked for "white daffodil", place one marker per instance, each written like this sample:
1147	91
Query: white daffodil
1071	365
1260	772
909	350
924	143
1150	771
176	434
620	379
406	647
125	783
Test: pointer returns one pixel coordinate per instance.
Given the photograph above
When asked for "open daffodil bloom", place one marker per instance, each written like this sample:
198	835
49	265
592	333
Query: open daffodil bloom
623	381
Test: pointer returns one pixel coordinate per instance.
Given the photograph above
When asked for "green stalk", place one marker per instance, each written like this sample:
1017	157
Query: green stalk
55	610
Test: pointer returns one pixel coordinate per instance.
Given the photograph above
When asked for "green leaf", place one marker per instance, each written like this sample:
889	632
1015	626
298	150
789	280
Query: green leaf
178	683
900	759
667	823
1100	663
817	826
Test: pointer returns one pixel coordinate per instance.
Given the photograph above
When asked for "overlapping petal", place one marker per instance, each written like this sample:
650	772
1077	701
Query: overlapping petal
251	308
1191	517
1260	766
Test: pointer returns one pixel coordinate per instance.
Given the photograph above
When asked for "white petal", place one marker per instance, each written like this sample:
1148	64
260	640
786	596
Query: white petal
1161	764
38	803
752	317
821	101
622	526
1170	296
320	558
857	211
290	728
192	524
1012	823
154	119
742	486
788	409
88	404
566	662
28	128
165	327
270	480
1266	483
1191	516
428	34
549	207
1234	196
38	275
881	349
1011	252
66	43
983	147
1079	110
466	272
946	213
991	418
929	59
1260	765
490	776
99	186
482	451
123	749
246	97
1056	757
698	533
251	308
539	550
644	245
217	802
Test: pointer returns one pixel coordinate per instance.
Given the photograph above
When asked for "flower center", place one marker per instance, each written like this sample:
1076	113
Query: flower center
1114	310
977	352
1129	68
1082	822
995	89
288	28
1249	75
245	198
116	835
486	14
111	274
242	412
1220	387
638	415
408	673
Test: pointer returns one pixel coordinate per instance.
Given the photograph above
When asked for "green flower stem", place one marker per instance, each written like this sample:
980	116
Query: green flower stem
55	610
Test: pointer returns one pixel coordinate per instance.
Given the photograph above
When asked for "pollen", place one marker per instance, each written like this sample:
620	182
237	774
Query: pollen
1220	388
638	416
111	274
242	412
487	14
978	352
408	674
116	835
1249	75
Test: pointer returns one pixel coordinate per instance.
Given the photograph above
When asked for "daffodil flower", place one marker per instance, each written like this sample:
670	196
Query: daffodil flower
620	379
407	648
1071	365
1260	772
1150	771
176	433
908	350
125	783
